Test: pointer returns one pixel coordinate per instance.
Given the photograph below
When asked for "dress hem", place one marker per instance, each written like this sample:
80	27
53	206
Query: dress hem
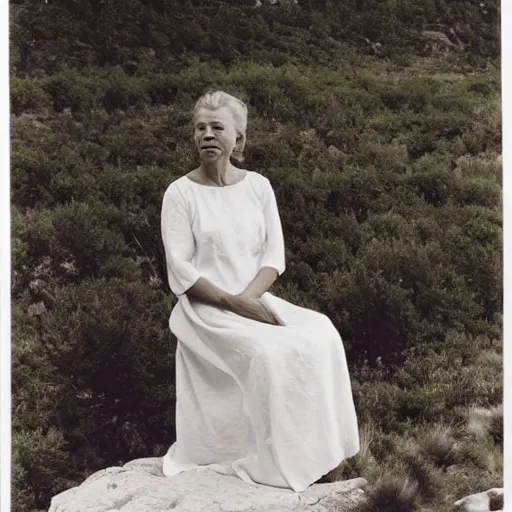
226	466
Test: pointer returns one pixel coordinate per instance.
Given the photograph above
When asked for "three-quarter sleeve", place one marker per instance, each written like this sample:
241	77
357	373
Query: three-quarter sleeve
178	242
273	255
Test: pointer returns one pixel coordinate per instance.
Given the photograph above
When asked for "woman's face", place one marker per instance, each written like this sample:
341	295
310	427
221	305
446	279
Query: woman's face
214	133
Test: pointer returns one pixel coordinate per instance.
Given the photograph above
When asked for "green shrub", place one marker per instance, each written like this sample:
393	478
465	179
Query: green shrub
28	95
122	92
68	92
40	461
109	341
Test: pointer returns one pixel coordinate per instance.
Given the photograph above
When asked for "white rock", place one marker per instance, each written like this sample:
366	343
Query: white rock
140	486
482	501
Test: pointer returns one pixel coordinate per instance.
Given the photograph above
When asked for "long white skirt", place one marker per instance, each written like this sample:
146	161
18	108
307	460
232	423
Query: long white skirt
271	404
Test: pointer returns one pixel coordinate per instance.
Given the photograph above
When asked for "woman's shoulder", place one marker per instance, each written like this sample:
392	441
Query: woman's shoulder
253	175
177	188
183	182
257	178
261	183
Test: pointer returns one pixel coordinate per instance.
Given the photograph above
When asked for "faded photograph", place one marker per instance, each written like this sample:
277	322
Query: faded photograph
256	256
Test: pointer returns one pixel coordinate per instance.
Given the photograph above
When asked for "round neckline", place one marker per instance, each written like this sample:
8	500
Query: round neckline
213	186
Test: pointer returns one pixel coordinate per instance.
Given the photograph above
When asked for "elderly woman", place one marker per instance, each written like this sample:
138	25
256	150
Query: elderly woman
263	389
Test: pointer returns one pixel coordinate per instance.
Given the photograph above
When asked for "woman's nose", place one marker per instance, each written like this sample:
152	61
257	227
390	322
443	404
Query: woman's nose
208	133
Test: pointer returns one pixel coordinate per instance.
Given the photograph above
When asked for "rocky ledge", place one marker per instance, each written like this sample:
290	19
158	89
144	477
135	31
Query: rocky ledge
139	486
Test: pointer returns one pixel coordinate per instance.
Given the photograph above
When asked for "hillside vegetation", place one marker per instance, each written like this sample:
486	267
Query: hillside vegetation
387	171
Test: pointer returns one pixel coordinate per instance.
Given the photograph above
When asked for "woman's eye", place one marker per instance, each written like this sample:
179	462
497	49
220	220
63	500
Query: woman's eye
219	128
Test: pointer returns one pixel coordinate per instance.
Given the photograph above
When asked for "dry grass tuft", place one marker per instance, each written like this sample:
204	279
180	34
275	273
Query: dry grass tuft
425	474
478	421
391	494
486	423
438	445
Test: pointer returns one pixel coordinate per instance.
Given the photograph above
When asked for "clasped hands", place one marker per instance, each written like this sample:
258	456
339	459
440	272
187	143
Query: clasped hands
250	307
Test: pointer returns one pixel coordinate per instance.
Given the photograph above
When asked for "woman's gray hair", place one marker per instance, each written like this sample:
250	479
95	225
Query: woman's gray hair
218	99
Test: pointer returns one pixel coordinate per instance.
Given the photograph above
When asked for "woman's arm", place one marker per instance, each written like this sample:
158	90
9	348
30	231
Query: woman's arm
205	291
272	263
264	279
178	241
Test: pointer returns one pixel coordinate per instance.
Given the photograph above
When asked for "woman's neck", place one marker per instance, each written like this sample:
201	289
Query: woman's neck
217	172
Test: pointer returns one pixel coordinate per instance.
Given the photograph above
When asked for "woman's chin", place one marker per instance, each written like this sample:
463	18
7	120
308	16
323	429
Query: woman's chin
210	157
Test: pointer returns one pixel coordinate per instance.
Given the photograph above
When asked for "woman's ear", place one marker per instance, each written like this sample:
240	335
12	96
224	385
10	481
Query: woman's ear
240	141
238	150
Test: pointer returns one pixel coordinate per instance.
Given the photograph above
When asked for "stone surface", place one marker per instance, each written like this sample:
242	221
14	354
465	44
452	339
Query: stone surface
491	500
140	486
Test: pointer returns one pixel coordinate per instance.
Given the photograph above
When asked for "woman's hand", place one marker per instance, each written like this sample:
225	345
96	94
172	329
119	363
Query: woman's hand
250	307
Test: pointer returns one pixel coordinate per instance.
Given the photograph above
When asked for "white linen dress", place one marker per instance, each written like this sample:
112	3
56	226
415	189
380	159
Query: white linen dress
270	403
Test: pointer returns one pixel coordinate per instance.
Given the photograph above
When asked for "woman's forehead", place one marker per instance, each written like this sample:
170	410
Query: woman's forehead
220	115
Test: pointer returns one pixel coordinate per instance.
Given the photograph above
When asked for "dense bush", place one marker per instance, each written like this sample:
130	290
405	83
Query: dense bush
135	33
389	187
